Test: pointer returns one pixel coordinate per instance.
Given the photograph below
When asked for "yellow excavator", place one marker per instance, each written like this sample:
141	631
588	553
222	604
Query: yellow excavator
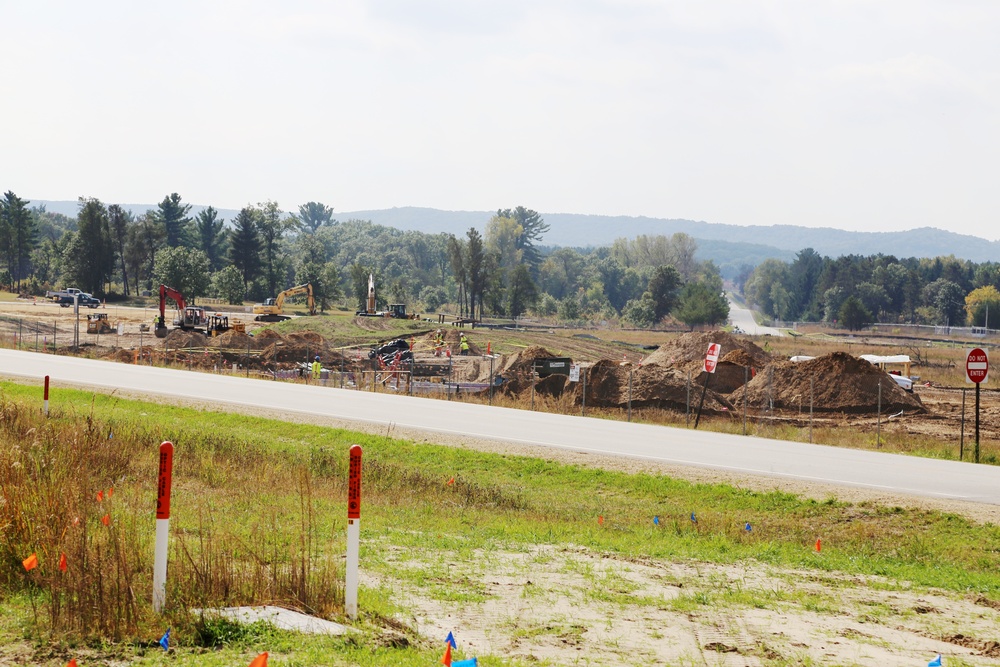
271	309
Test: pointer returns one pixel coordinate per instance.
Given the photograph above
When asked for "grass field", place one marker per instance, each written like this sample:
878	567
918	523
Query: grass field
259	517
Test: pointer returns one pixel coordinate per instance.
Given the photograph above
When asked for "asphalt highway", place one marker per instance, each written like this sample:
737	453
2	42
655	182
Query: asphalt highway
738	454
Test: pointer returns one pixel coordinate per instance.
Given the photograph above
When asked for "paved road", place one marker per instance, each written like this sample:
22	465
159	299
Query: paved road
743	318
757	456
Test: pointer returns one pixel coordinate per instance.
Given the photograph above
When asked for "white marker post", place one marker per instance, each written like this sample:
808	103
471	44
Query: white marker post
353	532
46	400
162	526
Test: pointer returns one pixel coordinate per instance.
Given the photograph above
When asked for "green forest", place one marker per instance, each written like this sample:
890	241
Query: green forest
855	290
505	271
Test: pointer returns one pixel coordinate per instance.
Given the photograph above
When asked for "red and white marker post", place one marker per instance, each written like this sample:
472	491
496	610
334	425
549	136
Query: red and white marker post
977	369
353	532
162	526
711	361
46	399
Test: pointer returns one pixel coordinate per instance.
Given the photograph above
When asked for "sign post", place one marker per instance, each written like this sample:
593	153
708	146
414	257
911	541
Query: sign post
353	532
162	526
977	370
711	361
46	396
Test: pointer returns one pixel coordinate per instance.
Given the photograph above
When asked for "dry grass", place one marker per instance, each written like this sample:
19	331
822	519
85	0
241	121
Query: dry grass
77	486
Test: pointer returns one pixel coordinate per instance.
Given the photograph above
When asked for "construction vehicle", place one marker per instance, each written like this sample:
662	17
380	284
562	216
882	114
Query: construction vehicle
97	323
189	318
271	309
396	310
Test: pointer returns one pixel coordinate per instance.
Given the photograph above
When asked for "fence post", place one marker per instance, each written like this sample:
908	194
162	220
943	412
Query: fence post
492	379
630	393
687	407
20	335
532	386
583	402
878	419
811	395
746	381
54	329
961	437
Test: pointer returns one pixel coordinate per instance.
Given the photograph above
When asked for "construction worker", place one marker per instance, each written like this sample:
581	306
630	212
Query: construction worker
438	343
317	368
463	345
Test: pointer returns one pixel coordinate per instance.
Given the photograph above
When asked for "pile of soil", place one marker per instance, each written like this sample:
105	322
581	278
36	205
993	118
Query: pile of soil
738	356
305	338
180	339
653	385
840	383
516	370
236	340
267	335
687	351
288	352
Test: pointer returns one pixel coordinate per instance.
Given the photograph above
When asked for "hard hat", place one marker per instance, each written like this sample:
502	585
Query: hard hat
317	357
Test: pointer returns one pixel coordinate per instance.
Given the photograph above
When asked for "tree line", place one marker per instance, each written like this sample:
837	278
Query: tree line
856	290
503	271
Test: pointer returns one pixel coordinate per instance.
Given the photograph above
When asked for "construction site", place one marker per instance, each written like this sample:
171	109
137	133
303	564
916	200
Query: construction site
752	390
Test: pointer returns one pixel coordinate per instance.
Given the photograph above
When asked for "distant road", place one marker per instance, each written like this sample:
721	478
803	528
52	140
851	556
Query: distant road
743	318
814	464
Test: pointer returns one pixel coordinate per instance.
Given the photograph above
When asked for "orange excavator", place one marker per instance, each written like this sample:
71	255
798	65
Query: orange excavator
189	318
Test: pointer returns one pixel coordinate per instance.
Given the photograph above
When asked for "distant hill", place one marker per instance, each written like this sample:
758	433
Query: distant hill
729	246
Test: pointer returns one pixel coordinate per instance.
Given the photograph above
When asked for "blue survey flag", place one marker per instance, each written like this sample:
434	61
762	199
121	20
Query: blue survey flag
656	520
450	639
471	662
748	527
936	662
694	519
165	640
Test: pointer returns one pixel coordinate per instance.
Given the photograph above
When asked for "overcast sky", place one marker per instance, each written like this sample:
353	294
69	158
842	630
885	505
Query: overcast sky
853	114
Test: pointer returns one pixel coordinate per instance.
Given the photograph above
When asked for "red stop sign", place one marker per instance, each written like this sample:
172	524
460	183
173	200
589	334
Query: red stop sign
977	365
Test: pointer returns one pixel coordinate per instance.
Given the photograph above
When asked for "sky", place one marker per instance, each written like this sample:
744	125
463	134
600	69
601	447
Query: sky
852	114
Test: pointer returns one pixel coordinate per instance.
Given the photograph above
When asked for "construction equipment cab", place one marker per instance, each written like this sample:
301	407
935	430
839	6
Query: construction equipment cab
271	309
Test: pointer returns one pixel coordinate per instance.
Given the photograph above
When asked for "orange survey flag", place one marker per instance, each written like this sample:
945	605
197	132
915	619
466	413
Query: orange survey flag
31	562
62	563
260	660
106	519
71	663
100	496
446	659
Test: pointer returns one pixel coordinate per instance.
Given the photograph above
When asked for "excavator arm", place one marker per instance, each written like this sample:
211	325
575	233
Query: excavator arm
295	291
161	321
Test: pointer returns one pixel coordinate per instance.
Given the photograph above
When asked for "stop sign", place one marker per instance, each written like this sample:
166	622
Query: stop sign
712	357
977	365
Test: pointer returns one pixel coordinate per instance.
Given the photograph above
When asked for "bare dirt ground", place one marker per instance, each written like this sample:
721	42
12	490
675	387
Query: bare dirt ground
569	606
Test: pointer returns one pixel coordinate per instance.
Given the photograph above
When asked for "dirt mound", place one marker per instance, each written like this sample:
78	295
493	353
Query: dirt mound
687	351
653	385
305	337
837	382
236	339
267	334
178	338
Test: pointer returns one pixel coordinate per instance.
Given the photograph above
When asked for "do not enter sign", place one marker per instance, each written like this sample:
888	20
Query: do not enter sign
977	366
712	357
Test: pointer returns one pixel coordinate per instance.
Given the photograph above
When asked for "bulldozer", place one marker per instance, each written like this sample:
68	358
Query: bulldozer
271	309
97	323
